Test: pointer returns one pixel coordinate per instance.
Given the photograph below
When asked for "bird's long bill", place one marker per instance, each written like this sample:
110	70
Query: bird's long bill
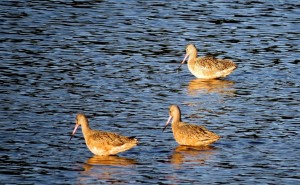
185	57
167	123
74	131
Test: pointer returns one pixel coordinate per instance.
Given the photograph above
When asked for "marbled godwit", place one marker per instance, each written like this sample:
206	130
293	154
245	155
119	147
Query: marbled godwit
100	142
189	134
207	67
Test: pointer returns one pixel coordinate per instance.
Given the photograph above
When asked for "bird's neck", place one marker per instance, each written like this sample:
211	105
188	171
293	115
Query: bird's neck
176	118
85	129
192	57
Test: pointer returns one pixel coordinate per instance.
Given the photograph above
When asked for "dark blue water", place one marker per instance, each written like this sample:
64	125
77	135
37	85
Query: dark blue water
116	61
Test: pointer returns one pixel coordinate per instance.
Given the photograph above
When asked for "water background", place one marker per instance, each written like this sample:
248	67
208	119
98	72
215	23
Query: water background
115	61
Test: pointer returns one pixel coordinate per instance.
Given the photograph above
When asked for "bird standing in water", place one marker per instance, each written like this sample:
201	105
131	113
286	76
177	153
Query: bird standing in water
207	67
101	142
189	134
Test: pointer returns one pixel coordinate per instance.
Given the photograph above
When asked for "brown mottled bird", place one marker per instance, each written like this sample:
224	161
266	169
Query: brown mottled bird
101	142
207	67
189	134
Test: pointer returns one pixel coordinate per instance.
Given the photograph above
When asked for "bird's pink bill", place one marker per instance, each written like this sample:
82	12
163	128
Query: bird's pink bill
74	131
167	123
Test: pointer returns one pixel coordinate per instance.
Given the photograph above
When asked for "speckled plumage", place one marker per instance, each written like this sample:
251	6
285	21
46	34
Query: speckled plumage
189	134
207	67
101	142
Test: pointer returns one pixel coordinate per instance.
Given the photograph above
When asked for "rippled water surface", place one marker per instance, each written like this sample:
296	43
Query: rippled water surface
115	61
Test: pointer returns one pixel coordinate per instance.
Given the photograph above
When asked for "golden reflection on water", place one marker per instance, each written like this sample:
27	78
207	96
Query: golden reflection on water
111	160
107	169
197	86
192	155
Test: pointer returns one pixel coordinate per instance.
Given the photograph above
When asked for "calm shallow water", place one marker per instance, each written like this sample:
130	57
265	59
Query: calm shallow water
116	62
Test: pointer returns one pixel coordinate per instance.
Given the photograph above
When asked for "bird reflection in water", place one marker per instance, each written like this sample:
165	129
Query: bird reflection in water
192	155
111	160
197	86
112	169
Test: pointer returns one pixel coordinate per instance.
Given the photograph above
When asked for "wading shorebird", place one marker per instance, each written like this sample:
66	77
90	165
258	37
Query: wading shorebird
207	67
189	134
101	142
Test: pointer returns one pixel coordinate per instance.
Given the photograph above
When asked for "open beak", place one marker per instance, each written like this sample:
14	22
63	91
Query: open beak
169	120
74	131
